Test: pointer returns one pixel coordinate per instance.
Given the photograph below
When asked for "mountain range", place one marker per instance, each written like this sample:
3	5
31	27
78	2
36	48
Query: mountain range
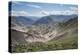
45	33
34	36
21	20
31	20
33	33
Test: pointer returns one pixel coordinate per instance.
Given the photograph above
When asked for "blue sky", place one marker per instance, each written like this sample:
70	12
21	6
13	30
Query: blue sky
42	9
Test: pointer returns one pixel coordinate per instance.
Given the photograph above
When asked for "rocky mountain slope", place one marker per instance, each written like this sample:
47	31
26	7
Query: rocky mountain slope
43	32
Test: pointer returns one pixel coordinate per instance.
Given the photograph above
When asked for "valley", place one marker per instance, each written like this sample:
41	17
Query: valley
43	34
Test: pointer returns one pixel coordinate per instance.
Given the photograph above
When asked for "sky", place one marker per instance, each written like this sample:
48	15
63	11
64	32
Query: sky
42	9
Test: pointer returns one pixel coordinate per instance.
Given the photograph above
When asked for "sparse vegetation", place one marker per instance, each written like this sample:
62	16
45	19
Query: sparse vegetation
62	36
65	41
69	41
57	45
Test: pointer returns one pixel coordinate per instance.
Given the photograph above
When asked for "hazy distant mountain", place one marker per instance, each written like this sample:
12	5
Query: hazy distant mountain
33	17
44	20
61	18
54	19
21	20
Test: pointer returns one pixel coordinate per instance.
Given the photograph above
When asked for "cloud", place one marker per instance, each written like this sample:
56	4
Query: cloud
74	9
31	5
16	3
44	12
64	12
34	6
70	11
19	13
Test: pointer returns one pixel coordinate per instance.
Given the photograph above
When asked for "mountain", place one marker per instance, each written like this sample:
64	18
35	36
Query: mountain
21	20
17	37
33	17
70	32
69	28
73	22
43	33
61	18
54	19
66	37
44	20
